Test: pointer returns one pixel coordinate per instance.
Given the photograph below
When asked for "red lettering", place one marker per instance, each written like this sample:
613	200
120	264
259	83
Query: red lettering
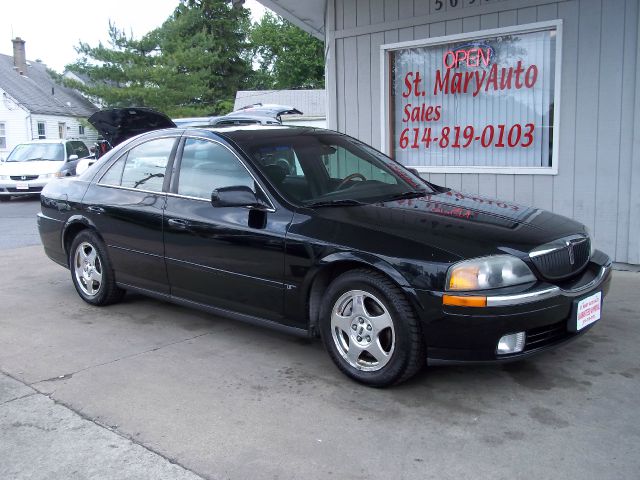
531	76
479	81
493	78
485	59
442	82
506	82
448	54
519	71
408	83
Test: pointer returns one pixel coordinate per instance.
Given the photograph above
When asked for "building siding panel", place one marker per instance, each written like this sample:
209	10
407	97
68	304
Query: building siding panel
598	179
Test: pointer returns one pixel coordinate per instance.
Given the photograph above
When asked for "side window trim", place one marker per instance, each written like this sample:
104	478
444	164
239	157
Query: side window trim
168	169
173	191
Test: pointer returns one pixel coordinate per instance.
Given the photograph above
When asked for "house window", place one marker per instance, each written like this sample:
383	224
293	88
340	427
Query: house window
62	130
3	136
81	130
483	102
42	133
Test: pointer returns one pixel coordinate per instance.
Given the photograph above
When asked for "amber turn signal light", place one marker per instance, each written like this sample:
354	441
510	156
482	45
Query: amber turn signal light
464	301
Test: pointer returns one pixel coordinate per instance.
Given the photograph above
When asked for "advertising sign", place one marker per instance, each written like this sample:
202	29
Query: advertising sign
479	103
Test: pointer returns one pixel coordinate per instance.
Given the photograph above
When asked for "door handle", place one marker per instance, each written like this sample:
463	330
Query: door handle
94	209
178	224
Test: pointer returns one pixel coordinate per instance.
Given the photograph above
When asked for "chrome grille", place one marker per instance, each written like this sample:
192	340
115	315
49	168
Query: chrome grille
562	258
23	177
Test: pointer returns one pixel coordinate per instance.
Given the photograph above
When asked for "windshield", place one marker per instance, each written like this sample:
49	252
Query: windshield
318	167
37	151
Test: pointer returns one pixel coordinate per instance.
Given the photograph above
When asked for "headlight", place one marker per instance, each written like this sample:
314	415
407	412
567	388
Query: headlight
488	272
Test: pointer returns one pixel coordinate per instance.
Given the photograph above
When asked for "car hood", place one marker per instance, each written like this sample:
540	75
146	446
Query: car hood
118	124
38	167
456	224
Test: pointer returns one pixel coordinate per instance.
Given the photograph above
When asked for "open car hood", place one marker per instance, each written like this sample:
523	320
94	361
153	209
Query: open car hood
118	124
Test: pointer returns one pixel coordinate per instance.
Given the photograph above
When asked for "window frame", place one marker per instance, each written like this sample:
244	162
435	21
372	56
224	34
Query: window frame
386	107
175	175
43	135
123	156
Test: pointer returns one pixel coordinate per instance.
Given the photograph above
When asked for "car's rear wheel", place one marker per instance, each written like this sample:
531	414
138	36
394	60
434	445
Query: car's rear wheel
91	270
370	330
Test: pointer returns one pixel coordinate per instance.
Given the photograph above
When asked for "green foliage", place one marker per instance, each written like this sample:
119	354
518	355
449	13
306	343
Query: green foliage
196	61
287	56
191	65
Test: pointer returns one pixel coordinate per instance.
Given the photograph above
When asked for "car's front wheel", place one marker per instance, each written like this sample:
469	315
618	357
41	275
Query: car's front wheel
370	330
91	270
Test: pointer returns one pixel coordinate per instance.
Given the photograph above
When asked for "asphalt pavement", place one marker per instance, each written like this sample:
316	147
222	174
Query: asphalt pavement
147	390
18	227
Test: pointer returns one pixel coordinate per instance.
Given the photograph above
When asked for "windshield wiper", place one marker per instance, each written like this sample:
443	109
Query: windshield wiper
347	202
406	195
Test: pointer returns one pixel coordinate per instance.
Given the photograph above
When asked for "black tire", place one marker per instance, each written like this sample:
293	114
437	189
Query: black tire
403	341
106	291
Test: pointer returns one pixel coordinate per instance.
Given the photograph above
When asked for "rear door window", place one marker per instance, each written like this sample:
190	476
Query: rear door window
143	167
146	165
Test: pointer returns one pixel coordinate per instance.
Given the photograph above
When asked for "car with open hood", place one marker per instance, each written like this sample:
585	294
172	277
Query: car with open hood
115	125
318	234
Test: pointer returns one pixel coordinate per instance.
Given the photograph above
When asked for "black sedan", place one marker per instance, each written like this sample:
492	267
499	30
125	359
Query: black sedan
316	233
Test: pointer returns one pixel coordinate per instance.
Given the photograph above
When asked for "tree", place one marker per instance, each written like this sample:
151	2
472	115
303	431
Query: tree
192	65
287	57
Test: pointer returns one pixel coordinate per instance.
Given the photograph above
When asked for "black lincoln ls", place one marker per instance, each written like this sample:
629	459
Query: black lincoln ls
316	233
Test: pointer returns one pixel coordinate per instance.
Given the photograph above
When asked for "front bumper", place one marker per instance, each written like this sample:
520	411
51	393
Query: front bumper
16	188
455	334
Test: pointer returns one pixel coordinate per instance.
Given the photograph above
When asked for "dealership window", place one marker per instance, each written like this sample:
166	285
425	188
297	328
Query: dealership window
484	102
42	132
3	136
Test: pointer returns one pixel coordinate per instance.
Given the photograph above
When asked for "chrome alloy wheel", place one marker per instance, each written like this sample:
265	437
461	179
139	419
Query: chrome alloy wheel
88	269
362	330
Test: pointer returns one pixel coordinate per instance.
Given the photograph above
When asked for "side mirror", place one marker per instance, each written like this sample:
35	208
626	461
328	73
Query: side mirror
414	171
235	196
72	158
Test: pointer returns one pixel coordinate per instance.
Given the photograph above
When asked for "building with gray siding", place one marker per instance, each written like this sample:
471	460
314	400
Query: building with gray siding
585	101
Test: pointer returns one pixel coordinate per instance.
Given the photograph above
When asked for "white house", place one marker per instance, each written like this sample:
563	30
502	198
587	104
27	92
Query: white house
530	101
33	106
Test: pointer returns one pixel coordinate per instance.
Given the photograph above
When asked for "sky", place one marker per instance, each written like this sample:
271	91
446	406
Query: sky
52	28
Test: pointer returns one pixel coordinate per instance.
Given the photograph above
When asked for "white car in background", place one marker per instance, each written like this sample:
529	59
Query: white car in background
31	165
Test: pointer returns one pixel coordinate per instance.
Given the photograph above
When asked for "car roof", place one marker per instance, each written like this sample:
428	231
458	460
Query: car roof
242	133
